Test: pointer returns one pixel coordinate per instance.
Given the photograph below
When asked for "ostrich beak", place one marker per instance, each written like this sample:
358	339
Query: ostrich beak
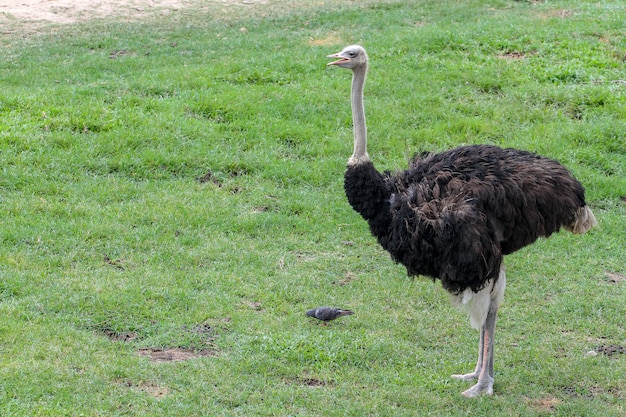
341	59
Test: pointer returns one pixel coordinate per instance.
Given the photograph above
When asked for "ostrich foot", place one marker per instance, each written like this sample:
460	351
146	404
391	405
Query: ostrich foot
482	387
466	377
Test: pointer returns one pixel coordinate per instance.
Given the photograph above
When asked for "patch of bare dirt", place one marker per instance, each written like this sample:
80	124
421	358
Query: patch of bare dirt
514	55
209	177
175	354
120	337
253	305
149	388
117	263
154	390
347	279
611	350
614	277
545	405
306	381
73	11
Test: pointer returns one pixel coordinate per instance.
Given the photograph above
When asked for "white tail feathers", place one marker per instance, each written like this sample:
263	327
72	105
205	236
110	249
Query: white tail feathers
583	221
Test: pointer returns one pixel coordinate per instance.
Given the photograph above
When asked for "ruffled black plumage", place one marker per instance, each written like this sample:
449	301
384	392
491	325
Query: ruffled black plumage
453	215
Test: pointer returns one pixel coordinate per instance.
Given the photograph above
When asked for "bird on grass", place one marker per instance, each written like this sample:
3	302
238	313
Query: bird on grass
327	314
453	215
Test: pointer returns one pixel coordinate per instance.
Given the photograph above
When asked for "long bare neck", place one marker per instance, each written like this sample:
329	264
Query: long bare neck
358	117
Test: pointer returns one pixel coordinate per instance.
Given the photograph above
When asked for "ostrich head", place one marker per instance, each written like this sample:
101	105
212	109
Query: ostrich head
351	57
354	58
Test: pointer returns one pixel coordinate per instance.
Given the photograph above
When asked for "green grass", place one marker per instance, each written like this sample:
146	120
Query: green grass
179	182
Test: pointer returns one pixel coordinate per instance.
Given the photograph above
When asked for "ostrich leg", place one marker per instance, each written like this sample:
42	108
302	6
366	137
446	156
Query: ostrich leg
479	362
484	366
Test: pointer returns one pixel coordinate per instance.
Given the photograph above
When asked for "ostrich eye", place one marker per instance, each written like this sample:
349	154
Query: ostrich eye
351	54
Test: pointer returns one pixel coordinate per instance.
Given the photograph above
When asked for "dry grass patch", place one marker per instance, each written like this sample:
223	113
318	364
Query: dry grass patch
614	277
545	405
327	40
555	14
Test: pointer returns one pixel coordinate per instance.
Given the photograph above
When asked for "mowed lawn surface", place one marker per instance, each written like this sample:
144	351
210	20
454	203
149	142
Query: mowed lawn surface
171	202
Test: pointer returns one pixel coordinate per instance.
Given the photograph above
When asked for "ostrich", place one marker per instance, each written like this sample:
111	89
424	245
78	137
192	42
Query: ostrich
453	215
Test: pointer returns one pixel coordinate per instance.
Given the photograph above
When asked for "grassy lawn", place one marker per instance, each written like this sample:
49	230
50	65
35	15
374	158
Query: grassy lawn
171	201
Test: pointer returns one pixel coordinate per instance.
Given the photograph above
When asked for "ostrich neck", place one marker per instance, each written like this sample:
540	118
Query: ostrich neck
358	117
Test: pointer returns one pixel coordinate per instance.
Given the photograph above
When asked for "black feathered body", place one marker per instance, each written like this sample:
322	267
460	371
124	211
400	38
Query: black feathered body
453	215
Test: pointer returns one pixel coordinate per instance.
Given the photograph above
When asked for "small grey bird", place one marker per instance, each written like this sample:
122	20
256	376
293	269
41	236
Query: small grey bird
328	313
